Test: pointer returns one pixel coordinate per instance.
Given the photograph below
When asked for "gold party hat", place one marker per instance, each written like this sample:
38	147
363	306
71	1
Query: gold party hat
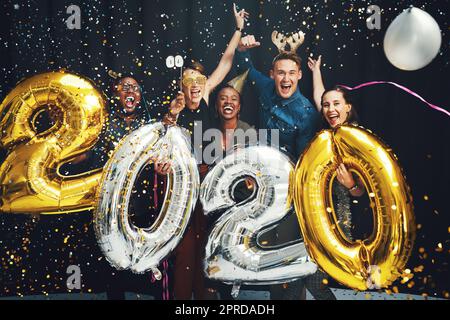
238	82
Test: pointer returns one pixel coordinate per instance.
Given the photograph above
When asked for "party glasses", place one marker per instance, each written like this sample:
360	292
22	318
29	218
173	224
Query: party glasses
189	81
128	87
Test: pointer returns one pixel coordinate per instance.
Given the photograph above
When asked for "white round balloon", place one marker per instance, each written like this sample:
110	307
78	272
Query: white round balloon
412	40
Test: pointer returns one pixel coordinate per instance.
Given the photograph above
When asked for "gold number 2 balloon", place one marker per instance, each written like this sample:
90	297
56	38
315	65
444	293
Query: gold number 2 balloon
378	260
29	176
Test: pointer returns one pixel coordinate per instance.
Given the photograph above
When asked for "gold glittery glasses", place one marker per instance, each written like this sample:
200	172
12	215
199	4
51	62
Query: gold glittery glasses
189	81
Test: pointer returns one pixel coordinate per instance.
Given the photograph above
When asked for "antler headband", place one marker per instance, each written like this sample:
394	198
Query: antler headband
294	41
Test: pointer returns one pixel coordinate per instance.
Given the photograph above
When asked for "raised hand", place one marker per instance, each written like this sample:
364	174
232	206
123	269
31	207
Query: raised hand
177	104
314	65
240	17
248	42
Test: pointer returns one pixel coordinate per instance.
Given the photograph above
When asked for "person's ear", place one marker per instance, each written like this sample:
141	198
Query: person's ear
300	74
348	107
271	73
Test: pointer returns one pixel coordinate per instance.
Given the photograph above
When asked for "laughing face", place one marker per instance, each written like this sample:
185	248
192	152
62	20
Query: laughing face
228	103
335	109
193	86
129	94
286	74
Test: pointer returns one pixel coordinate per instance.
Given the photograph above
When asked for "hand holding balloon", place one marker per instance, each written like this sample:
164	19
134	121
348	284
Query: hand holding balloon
162	167
344	177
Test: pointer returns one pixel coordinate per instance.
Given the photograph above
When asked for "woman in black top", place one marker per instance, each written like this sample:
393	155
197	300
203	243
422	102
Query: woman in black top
190	110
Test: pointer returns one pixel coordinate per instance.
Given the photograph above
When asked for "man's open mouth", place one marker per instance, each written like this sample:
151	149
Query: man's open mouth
129	101
285	88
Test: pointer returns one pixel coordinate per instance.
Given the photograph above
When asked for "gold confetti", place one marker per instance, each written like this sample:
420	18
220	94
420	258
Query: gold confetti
419	268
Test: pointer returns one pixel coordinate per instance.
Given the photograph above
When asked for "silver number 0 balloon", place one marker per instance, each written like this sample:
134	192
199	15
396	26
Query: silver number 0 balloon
125	245
233	254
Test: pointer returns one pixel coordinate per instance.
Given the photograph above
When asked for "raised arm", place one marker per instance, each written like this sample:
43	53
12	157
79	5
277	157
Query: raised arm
318	87
243	62
226	62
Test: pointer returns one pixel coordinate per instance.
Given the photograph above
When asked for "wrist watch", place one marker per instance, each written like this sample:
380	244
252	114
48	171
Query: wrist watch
354	187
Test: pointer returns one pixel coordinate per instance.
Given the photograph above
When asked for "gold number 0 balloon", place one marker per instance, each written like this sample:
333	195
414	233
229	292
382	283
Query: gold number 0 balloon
373	262
29	176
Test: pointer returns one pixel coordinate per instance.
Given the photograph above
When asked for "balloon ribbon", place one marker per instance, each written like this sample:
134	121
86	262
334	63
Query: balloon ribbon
366	84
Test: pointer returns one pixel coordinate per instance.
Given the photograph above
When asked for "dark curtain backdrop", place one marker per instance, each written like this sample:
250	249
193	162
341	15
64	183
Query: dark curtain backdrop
137	36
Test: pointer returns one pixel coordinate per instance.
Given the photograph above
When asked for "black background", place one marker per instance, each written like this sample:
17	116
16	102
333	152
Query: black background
137	36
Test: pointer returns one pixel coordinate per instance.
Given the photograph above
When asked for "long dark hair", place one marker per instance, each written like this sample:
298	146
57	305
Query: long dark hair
353	115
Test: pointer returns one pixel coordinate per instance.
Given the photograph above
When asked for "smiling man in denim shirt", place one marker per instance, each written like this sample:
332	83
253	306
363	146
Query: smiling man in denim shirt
283	107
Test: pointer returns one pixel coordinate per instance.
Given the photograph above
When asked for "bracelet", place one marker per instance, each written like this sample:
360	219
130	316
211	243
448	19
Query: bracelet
354	187
238	29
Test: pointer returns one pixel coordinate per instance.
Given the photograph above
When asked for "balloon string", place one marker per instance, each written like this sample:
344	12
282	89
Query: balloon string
366	84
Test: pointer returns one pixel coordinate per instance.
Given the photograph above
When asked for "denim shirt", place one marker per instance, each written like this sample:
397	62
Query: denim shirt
295	118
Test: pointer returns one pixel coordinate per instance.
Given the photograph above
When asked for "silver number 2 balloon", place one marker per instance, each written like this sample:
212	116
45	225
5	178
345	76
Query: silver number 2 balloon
125	245
233	254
